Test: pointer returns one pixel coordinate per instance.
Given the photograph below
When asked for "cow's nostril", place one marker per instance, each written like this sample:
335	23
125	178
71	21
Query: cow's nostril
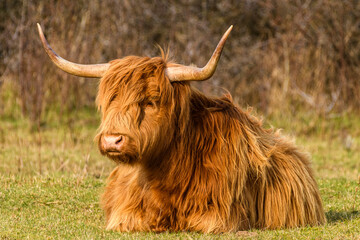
119	140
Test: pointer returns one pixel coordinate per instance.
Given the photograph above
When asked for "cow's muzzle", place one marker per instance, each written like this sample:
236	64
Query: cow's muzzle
112	143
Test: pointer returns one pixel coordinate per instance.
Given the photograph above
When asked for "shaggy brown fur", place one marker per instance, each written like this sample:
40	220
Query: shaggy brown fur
196	163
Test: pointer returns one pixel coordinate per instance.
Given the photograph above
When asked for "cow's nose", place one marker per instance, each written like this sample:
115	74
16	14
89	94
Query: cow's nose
112	143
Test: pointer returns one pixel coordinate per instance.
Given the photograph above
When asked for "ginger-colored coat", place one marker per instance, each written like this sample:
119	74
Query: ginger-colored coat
197	163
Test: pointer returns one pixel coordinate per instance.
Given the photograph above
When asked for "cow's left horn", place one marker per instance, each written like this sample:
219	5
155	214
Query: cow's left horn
188	73
82	70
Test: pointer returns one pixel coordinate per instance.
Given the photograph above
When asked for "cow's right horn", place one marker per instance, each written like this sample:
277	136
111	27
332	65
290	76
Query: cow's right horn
82	70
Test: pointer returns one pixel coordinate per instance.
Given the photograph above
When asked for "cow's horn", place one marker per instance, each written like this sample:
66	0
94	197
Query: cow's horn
188	73
82	70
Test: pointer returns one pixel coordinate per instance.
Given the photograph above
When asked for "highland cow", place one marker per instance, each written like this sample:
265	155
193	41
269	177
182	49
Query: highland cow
187	161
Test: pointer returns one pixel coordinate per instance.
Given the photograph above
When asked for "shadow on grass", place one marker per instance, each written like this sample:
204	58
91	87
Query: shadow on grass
334	216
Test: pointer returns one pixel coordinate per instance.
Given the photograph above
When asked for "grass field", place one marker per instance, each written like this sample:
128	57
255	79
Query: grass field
51	179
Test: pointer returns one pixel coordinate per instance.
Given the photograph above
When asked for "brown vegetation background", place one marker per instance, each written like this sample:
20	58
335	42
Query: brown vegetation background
282	55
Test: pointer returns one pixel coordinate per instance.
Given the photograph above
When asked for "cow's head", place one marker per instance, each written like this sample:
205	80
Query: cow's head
138	100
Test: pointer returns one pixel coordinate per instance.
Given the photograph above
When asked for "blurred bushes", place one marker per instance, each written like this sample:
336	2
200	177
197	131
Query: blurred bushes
282	55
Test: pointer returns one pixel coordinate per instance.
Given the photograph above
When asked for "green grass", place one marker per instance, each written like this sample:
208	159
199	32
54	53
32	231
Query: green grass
51	181
66	207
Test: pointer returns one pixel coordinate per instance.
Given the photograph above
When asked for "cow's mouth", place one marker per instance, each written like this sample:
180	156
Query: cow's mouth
113	153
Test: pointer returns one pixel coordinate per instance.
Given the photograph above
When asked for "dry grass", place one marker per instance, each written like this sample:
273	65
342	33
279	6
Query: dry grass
281	55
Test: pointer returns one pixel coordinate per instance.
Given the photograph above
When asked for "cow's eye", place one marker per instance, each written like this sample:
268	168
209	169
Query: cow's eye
113	98
149	104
